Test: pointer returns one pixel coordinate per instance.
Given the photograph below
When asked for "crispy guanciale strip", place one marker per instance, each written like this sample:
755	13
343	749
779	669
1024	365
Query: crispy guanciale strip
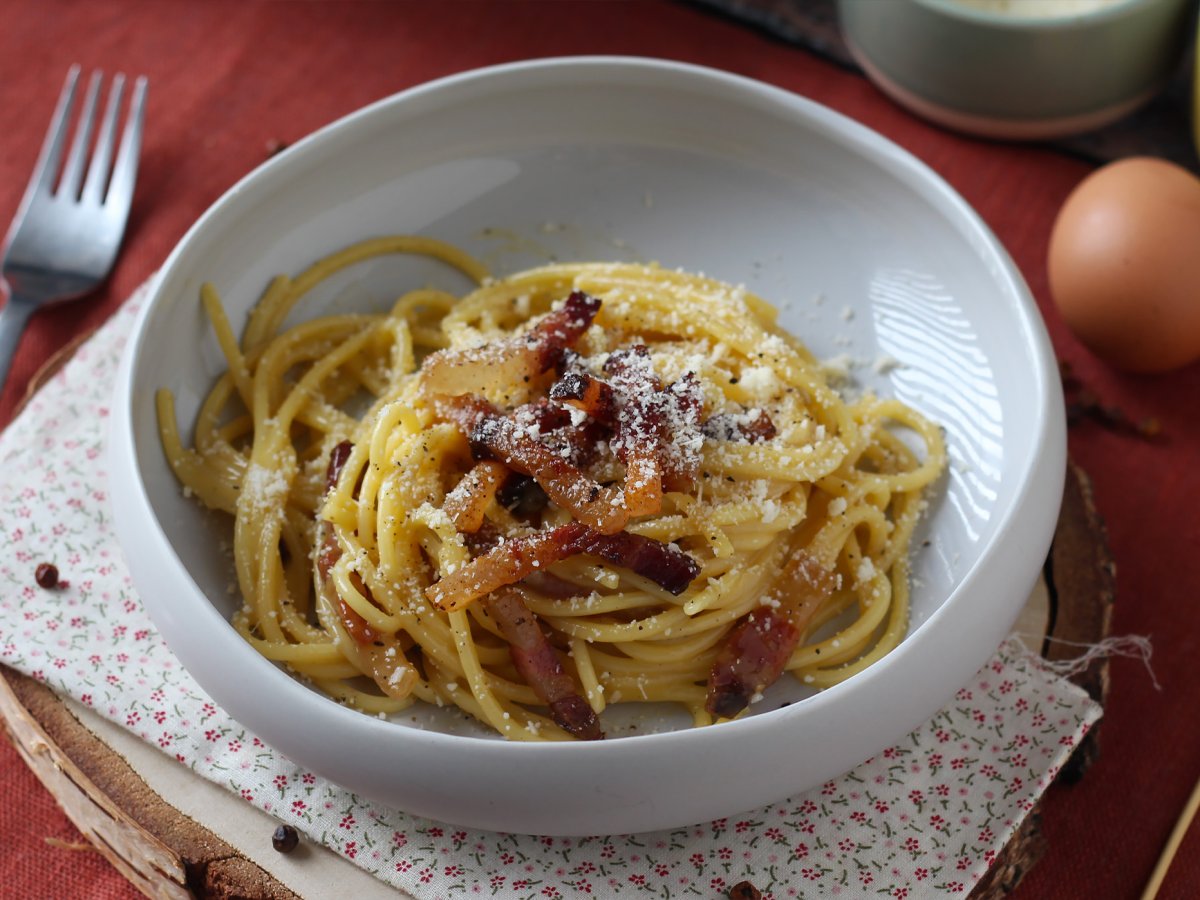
657	431
576	438
537	662
464	412
338	457
327	556
758	647
579	388
379	656
752	427
504	564
559	330
681	464
653	427
499	437
641	435
543	415
468	501
510	362
512	560
664	564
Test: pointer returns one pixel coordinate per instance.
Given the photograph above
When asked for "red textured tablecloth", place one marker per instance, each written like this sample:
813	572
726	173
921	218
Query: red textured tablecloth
229	79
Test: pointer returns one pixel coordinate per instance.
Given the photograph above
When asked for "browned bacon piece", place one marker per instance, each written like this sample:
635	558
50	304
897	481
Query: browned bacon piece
327	556
577	442
356	625
560	329
643	482
580	444
504	564
539	665
641	431
585	392
468	501
657	432
508	562
664	564
602	508
632	364
464	412
338	457
544	414
751	659
510	362
752	427
380	656
681	462
493	435
757	649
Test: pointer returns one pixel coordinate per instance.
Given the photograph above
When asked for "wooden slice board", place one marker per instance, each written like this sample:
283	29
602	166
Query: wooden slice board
159	824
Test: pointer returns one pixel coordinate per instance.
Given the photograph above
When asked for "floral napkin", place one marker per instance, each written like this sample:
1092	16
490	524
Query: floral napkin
924	818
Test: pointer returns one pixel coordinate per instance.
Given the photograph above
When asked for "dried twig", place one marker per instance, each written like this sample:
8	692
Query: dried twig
1083	404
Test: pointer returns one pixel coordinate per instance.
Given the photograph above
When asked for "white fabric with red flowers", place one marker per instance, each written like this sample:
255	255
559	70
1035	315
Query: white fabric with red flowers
924	818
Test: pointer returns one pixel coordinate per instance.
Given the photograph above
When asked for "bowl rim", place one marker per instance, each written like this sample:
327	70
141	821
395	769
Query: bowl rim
1041	471
1026	22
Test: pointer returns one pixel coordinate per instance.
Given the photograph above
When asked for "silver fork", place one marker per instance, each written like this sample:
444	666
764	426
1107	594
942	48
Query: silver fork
65	236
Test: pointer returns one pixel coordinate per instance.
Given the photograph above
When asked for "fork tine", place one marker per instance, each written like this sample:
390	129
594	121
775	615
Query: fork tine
72	172
97	176
46	170
120	189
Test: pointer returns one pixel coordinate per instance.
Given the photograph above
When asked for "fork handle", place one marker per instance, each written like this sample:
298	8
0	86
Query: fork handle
13	316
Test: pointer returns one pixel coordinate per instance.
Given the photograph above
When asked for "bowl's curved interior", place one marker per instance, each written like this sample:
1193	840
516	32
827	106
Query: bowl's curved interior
873	261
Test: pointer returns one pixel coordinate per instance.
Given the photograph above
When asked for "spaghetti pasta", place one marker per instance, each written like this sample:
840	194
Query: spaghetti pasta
580	485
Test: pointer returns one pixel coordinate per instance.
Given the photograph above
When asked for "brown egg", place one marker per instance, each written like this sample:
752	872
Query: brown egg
1124	264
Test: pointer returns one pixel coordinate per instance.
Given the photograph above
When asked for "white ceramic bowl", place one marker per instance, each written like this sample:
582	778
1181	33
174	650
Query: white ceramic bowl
868	252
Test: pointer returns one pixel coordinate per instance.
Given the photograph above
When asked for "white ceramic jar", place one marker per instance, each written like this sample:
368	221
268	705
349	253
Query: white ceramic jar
1018	69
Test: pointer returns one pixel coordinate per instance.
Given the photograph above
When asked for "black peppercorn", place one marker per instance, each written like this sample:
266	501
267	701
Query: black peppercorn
285	839
46	575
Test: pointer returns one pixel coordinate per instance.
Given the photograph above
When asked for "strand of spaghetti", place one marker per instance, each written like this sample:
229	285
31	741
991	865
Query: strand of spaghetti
192	469
338	671
211	412
435	636
897	625
348	592
874	605
670	650
414	308
748	462
363	250
674	621
227	341
371	704
283	651
593	692
294	604
267	483
260	326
